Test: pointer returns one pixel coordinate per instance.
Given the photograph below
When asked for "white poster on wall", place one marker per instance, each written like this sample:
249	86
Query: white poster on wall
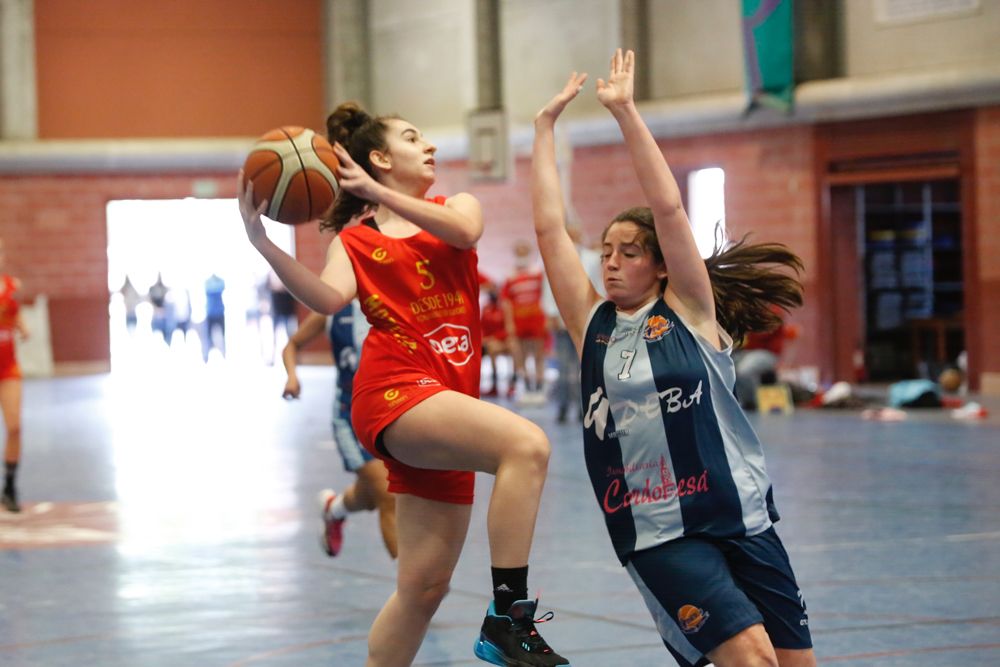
894	12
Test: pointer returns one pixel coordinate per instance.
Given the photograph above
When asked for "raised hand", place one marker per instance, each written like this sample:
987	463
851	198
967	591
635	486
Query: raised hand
352	177
555	106
617	90
251	214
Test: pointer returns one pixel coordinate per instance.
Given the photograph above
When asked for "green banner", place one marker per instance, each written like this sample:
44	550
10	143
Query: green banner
768	53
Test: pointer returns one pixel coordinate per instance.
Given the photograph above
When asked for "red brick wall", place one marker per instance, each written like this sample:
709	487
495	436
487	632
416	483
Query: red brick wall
55	228
119	68
55	231
770	191
987	131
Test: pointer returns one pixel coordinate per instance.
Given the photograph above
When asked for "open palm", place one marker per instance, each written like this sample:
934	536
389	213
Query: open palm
565	96
618	88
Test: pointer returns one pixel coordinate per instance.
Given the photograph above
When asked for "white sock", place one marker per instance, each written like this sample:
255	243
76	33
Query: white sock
337	508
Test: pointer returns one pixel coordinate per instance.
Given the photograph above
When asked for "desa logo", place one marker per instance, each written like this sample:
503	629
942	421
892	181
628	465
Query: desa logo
453	342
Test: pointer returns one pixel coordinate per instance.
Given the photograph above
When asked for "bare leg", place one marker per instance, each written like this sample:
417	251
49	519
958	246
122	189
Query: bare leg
748	648
431	535
371	492
536	348
795	657
10	405
452	431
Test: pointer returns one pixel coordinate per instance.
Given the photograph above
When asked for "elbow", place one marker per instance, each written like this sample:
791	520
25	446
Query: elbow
667	208
467	239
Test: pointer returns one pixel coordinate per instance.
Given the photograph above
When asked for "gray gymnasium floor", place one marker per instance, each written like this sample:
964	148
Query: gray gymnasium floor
170	522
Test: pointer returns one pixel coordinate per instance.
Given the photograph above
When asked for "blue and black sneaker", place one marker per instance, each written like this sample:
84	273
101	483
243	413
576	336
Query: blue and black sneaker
512	641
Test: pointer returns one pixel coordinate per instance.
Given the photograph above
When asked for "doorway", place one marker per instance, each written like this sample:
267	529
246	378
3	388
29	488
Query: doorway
196	291
910	246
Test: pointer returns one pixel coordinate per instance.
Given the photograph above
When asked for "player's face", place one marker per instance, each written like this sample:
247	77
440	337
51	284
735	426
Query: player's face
411	155
631	275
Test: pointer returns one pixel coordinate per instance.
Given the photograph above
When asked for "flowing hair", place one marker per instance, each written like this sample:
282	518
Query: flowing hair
359	133
750	281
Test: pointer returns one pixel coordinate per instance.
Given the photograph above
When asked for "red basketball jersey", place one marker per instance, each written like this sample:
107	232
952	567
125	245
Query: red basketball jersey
524	291
8	308
8	321
421	297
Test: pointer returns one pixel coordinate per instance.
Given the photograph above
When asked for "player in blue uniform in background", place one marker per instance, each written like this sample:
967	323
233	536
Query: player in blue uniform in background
676	468
347	332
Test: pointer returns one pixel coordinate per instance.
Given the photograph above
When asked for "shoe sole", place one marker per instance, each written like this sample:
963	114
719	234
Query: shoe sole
488	652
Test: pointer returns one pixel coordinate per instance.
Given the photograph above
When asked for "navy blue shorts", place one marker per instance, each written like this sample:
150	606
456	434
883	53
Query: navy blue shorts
703	591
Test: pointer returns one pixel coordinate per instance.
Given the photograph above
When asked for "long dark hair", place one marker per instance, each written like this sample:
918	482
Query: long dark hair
360	133
748	279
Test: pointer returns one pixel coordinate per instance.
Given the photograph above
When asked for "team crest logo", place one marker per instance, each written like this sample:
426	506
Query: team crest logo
381	255
691	618
657	327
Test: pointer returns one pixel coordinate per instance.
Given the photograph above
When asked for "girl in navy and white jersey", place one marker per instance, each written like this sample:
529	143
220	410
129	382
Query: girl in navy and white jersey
676	467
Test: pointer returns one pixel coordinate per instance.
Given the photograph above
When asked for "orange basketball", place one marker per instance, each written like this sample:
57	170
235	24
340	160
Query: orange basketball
294	169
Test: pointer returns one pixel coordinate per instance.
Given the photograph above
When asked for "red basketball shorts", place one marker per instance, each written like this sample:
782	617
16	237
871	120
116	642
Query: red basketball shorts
375	408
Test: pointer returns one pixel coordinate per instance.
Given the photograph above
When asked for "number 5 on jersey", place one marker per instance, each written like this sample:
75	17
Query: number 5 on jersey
428	281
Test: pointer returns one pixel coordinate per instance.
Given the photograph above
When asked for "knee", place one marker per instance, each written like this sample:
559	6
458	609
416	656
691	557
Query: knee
755	658
13	431
423	597
532	449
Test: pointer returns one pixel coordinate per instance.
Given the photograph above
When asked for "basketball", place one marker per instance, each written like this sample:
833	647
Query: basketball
294	169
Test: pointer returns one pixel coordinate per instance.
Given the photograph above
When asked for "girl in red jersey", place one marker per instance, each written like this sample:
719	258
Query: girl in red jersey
11	323
526	326
412	264
495	337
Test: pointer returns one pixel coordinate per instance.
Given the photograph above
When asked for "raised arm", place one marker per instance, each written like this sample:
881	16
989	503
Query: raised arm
574	295
325	294
689	289
458	223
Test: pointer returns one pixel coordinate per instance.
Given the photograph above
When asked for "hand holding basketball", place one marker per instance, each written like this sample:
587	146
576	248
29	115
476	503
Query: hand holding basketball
294	170
250	213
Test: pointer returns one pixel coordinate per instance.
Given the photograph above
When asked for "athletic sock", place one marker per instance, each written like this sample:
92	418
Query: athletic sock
9	474
510	584
337	508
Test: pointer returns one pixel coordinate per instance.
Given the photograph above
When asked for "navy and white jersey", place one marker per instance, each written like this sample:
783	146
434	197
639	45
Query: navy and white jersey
668	449
347	330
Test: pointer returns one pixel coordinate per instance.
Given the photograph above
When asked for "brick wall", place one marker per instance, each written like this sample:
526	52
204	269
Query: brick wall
55	228
987	131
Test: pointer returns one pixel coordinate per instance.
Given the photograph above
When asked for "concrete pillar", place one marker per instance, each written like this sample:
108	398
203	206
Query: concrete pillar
18	94
819	41
489	75
347	53
635	36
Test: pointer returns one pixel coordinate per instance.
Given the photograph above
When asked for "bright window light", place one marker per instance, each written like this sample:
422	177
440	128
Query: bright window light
707	206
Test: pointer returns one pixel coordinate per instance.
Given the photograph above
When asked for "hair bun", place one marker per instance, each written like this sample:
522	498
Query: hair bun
345	120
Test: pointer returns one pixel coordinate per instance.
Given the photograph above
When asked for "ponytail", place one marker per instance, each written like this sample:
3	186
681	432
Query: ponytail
359	133
751	280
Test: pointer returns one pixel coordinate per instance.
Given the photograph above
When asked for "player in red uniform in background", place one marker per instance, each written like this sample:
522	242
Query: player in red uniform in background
412	264
11	323
495	339
521	297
